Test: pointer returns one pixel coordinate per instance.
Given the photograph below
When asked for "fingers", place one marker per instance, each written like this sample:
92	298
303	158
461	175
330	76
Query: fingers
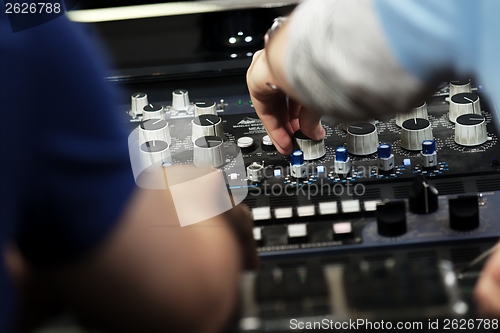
487	292
269	103
280	117
310	124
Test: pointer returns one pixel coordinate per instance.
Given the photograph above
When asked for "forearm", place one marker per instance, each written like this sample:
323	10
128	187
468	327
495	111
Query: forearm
339	63
153	275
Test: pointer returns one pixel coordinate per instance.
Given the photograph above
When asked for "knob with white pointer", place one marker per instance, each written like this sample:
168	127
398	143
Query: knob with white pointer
154	129
208	152
460	86
463	103
362	139
180	102
138	102
153	154
205	107
418	112
470	130
207	125
423	197
413	132
312	149
150	111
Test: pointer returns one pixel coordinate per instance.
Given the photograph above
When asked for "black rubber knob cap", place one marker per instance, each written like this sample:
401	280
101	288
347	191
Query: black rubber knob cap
391	218
464	212
423	198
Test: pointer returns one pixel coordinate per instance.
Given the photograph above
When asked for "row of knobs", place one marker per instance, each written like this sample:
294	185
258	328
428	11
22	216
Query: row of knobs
140	107
463	211
154	133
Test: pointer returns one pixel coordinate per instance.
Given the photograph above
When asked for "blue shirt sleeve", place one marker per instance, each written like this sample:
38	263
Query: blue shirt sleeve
63	142
435	39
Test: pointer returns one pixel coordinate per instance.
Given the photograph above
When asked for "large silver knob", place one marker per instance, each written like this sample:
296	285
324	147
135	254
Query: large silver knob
460	86
470	130
150	111
180	102
414	131
154	129
207	125
205	107
418	112
463	103
153	154
138	102
362	139
346	124
208	152
312	149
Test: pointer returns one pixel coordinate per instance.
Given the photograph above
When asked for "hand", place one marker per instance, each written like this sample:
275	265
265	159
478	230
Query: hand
239	221
280	116
487	292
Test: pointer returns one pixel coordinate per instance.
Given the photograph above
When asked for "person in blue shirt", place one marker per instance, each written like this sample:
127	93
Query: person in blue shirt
74	223
361	59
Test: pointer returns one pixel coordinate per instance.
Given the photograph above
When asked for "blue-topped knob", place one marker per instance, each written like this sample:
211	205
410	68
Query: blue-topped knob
297	157
341	154
428	147
384	150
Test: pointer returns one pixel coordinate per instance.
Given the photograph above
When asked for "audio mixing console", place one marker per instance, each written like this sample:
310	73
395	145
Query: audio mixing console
379	212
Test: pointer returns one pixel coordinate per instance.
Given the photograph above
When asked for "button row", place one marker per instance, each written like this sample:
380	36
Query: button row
314	232
323	208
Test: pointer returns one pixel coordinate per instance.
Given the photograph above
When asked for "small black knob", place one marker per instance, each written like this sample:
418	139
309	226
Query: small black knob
464	212
391	218
423	198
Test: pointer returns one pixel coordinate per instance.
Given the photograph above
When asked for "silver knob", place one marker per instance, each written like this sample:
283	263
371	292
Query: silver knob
418	112
153	154
138	101
180	101
470	130
207	125
312	149
154	129
246	144
208	152
463	103
150	111
346	124
460	86
255	172
204	107
414	131
362	139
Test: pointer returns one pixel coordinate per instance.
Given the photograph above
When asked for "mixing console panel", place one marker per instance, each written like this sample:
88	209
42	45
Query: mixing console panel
368	224
332	194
